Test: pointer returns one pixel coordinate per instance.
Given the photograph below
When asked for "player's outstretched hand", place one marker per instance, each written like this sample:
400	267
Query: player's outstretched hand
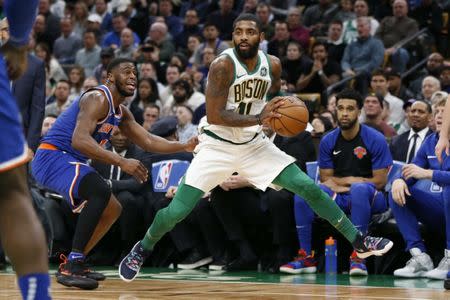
191	144
16	60
135	168
268	111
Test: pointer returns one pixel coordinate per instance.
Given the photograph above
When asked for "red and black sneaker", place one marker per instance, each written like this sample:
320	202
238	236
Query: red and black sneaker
73	274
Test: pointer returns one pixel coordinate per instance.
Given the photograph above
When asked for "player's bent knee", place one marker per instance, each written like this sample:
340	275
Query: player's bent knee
361	187
94	187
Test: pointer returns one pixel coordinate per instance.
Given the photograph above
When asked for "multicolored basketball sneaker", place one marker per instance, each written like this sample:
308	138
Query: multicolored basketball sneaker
357	265
303	263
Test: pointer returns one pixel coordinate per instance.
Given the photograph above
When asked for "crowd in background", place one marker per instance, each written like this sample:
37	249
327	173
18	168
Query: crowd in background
320	44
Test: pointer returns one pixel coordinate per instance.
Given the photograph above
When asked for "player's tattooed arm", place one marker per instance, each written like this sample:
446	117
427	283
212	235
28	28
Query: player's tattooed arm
220	77
276	76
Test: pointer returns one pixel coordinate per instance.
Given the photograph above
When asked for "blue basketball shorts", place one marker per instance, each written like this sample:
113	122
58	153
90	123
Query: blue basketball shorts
60	172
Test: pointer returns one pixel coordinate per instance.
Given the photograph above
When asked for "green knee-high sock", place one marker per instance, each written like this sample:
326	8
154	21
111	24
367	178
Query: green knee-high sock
294	180
181	205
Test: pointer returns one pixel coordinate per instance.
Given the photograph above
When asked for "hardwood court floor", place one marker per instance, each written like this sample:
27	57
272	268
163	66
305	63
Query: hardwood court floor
169	284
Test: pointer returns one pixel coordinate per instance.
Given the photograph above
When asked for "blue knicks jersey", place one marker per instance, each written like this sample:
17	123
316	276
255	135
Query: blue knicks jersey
366	152
60	134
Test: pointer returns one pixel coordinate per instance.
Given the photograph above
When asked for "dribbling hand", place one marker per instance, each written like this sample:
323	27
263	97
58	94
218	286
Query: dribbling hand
135	168
16	60
268	111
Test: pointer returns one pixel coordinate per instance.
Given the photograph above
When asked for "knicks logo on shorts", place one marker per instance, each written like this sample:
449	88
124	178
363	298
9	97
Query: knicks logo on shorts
360	152
162	180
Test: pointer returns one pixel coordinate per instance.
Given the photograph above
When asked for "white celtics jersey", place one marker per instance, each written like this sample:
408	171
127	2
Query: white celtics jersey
247	95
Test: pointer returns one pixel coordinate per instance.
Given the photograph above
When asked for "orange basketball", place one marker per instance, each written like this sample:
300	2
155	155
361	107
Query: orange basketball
294	117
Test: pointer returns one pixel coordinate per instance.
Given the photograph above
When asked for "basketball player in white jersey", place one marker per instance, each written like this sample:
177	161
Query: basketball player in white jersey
241	95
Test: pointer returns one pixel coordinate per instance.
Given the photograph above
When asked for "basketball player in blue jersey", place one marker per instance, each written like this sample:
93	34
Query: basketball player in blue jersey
60	163
20	230
240	83
422	194
354	160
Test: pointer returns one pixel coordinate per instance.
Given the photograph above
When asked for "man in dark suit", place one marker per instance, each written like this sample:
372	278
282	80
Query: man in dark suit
128	191
29	91
404	147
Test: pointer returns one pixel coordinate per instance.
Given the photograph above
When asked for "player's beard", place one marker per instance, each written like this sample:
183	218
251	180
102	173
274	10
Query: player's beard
122	91
349	125
250	53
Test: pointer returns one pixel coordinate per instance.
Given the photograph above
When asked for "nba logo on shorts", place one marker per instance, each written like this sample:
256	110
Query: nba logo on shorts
162	180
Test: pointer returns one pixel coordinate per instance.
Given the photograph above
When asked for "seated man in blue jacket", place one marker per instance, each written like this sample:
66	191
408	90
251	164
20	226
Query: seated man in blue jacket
420	195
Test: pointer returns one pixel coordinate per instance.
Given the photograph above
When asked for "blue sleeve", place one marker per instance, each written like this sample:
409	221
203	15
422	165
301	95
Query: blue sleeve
326	147
421	159
21	15
345	62
441	177
379	150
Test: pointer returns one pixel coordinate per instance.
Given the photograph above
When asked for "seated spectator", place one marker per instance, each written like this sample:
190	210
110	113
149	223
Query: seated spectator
363	56
335	45
47	124
183	93
137	17
88	57
405	146
211	40
430	85
106	56
317	77
445	78
191	27
208	56
89	83
223	19
185	128
61	99
396	87
264	14
433	67
380	85
67	45
76	79
53	70
373	109
112	38
79	18
193	43
349	31
317	17
412	203
278	44
354	161
293	64
101	9
147	93
429	15
321	125
40	33
297	31
172	74
174	23
394	29
128	191
150	115
127	47
158	35
345	11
